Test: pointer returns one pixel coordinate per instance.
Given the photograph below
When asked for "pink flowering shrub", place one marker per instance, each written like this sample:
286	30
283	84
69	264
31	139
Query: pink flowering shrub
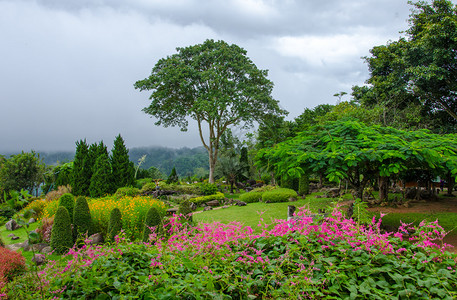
328	258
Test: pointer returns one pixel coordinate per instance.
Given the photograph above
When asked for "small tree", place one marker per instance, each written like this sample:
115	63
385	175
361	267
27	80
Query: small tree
61	237
115	223
82	220
152	219
173	177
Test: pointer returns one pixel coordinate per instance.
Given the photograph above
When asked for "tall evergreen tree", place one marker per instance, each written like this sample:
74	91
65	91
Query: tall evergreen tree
82	170
100	183
123	170
173	177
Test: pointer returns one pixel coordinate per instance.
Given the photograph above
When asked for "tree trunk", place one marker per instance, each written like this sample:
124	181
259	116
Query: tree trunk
212	165
383	188
450	183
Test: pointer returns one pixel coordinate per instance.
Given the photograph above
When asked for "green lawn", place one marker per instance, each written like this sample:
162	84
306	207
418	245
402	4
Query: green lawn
251	214
21	233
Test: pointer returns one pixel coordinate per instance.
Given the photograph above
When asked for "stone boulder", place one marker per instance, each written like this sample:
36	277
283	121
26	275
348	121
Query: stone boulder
241	203
31	220
46	250
39	259
207	208
11	225
213	203
95	239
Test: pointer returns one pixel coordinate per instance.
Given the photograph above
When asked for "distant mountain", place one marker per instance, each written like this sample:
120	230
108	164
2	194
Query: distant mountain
185	160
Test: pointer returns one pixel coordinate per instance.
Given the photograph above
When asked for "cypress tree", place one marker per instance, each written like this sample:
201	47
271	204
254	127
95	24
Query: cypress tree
123	170
152	219
82	170
82	220
100	183
61	237
173	177
115	223
303	185
68	201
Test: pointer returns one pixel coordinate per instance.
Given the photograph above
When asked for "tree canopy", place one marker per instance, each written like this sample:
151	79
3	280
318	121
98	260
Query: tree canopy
358	153
418	73
215	84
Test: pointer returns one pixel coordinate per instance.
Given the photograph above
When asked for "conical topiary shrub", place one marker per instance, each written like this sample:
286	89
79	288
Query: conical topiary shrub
61	237
115	223
152	219
68	201
82	220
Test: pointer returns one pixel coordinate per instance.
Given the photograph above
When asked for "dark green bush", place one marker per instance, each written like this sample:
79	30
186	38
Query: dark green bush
208	188
6	211
303	185
61	236
68	201
186	210
204	199
82	220
115	223
152	219
127	191
278	195
173	177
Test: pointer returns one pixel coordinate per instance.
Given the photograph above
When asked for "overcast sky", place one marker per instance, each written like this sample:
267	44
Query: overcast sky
67	67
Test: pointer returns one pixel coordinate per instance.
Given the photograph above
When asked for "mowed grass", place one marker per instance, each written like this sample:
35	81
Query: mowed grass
252	214
21	233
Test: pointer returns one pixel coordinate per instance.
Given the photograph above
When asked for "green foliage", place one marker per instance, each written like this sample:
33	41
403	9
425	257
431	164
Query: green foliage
278	195
62	174
186	210
21	171
153	219
204	199
127	191
6	211
251	197
115	224
123	170
82	220
67	201
61	236
173	177
360	212
303	185
82	170
208	188
100	183
241	93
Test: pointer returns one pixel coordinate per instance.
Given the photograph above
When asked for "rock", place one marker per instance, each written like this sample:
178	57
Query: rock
46	250
35	247
14	238
225	206
172	211
11	225
241	203
193	206
11	235
292	199
95	239
207	208
31	220
213	203
14	247
39	259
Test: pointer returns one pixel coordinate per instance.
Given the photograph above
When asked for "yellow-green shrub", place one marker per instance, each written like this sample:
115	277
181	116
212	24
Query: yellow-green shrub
278	195
38	207
256	194
133	210
204	199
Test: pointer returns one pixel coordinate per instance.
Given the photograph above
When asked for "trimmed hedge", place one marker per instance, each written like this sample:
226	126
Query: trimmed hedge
82	219
61	236
68	201
153	219
251	197
256	194
204	199
115	223
126	191
278	195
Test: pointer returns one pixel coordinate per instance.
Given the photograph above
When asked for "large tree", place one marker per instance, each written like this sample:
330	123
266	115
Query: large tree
123	170
417	75
359	153
82	170
215	84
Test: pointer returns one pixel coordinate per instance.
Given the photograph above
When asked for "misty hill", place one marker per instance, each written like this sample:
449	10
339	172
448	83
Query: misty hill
185	160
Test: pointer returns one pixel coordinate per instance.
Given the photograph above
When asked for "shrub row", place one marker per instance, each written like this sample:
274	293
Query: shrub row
204	199
278	195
